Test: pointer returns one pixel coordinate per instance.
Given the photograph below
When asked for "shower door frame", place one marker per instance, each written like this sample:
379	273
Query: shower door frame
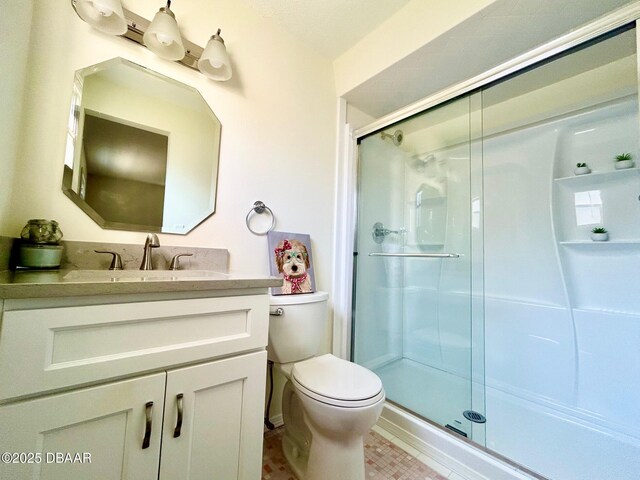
347	193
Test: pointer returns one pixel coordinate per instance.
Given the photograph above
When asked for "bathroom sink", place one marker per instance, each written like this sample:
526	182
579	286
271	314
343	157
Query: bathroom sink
141	275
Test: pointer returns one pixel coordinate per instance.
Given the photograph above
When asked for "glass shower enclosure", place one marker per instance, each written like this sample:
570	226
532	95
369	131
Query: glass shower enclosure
480	298
414	265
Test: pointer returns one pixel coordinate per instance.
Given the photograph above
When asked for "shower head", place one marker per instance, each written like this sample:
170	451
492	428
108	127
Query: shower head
396	137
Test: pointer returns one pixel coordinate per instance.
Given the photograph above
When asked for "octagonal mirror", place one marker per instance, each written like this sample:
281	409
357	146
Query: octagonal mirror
142	150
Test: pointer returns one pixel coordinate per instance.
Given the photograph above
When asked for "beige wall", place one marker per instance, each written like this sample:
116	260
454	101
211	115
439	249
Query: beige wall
412	27
15	23
278	129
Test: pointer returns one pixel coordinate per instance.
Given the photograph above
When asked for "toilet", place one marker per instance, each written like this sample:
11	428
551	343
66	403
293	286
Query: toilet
328	404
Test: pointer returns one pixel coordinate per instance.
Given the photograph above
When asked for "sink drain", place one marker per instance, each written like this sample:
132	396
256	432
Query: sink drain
474	416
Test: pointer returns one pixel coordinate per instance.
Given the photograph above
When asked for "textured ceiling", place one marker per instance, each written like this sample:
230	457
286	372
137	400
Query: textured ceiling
330	27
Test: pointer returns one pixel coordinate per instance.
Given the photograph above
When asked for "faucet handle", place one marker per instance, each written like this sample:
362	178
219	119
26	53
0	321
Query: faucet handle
116	261
175	261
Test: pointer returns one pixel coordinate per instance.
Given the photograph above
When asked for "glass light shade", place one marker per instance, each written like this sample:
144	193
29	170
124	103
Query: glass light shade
104	15
163	36
214	61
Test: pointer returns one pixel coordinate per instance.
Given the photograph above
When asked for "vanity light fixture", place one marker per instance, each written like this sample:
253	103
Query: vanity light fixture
104	15
161	36
214	62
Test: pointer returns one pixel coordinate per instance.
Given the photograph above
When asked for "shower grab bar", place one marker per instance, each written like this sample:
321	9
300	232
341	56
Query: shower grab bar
416	255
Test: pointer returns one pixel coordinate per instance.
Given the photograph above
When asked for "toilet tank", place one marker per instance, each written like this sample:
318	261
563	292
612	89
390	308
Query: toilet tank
299	331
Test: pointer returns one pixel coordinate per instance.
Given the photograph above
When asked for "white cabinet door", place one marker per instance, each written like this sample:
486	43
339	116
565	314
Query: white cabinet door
222	414
107	422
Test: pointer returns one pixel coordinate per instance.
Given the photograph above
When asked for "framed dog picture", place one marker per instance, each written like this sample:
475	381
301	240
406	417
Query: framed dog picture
290	258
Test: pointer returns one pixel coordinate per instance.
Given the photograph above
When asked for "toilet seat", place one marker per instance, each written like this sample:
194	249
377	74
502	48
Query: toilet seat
331	380
339	403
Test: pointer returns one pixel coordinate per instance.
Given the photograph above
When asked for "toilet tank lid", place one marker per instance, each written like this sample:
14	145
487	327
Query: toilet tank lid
332	377
298	298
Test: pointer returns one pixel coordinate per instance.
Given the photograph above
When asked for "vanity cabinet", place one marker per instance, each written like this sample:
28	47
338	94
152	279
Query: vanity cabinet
102	379
108	422
221	435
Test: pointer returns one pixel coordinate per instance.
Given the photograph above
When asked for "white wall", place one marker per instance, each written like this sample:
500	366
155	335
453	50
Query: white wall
278	128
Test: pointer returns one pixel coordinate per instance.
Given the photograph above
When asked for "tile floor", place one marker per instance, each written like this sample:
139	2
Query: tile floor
384	460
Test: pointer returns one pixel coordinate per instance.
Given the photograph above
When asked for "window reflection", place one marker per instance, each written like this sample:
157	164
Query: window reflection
588	207
475	213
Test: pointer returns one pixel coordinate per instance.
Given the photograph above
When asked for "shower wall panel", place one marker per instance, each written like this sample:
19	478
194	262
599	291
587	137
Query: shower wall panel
562	357
530	346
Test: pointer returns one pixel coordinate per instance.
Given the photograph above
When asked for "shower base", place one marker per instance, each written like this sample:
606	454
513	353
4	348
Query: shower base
429	392
553	442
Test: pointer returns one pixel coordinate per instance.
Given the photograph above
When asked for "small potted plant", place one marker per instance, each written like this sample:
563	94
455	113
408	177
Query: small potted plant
599	234
623	161
581	169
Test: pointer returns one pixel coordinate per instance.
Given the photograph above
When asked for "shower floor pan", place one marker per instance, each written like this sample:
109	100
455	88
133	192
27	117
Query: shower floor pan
544	439
440	396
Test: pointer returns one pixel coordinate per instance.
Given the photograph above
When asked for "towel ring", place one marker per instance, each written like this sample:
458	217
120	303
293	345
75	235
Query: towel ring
259	208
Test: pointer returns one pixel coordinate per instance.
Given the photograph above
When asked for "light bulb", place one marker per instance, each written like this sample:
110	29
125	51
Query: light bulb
104	15
165	40
163	36
214	61
103	9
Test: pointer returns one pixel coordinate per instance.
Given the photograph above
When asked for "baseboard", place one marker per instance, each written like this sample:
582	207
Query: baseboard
277	420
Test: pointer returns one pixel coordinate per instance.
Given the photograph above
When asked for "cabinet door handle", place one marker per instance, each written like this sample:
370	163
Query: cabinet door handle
176	432
147	429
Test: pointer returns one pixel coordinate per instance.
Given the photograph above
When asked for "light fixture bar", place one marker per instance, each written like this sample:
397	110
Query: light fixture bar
137	25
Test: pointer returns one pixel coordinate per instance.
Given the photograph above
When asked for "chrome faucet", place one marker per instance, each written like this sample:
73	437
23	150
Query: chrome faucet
151	242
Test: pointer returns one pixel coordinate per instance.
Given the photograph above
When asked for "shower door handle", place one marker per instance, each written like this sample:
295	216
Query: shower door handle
416	255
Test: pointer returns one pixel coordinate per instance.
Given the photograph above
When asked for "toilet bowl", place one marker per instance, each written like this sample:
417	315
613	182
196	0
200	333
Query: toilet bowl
328	404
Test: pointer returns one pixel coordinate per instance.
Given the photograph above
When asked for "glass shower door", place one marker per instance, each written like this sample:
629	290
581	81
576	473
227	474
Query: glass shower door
412	323
562	332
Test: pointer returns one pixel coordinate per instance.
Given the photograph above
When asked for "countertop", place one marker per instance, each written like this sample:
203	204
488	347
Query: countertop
69	283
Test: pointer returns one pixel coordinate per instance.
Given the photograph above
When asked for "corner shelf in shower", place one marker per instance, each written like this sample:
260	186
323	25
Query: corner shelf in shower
597	177
608	242
608	246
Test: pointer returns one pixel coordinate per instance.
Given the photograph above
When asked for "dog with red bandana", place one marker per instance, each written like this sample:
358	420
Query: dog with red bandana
292	260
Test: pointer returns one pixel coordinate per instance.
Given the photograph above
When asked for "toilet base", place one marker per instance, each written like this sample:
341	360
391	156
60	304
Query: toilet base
296	440
296	459
346	458
329	458
324	441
